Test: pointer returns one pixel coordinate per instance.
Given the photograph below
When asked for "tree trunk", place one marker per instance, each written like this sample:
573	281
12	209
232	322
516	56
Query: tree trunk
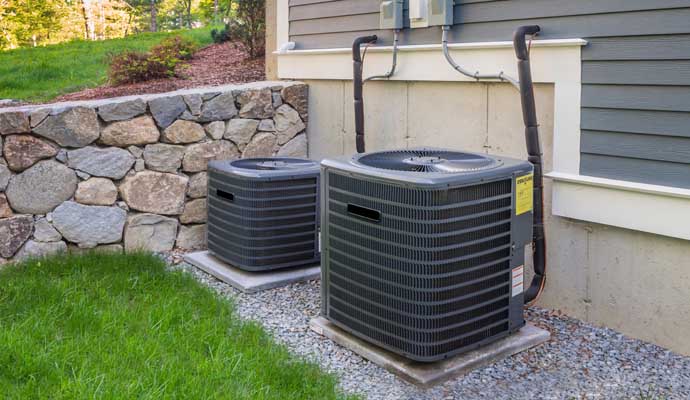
189	14
85	15
154	17
215	12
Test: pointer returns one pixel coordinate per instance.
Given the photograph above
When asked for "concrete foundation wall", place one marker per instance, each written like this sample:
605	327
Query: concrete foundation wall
634	282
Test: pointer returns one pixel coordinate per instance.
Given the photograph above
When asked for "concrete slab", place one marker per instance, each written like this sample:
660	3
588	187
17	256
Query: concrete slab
251	282
430	374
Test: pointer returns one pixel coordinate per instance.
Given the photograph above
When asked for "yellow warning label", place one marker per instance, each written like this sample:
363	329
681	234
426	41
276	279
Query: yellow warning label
524	196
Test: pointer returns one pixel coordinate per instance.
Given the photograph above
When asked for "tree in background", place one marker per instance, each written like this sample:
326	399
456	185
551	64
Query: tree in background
249	27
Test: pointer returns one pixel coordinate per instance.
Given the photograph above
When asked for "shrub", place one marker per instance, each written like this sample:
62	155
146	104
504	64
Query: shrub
134	66
247	30
161	62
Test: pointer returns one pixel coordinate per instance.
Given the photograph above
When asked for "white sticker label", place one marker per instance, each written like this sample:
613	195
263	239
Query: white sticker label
319	241
518	280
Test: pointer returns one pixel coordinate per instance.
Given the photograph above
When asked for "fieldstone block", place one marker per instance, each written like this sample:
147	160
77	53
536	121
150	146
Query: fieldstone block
5	175
240	131
5	210
165	110
297	147
138	131
96	192
23	151
34	249
76	127
45	232
184	132
198	185
195	212
198	155
267	125
215	130
150	232
14	231
38	116
155	192
14	122
137	152
110	162
90	225
194	103
192	237
297	96
288	123
121	111
41	188
218	108
163	157
256	104
262	145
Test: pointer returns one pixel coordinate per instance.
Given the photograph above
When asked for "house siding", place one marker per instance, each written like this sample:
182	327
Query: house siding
635	69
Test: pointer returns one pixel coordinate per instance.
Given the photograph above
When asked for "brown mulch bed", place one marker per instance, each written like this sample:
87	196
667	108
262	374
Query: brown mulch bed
217	64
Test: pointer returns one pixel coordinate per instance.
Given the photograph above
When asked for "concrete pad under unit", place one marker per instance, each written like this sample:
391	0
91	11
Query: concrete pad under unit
430	374
251	282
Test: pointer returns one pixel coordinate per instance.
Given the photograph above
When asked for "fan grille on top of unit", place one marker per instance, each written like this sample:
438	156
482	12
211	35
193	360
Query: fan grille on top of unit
274	163
428	161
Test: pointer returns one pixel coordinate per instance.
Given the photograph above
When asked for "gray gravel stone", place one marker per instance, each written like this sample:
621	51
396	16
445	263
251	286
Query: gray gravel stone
41	188
579	362
165	110
121	111
218	108
110	162
75	127
90	225
150	232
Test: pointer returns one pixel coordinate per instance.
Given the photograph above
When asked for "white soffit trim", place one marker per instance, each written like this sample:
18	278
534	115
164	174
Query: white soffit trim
648	208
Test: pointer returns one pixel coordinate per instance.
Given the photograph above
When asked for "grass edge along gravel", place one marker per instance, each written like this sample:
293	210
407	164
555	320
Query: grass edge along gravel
106	325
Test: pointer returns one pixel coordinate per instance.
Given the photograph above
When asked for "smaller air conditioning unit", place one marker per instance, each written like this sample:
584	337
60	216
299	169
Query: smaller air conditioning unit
263	213
424	249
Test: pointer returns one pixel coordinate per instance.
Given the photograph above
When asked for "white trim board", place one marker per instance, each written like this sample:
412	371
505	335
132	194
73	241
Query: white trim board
648	208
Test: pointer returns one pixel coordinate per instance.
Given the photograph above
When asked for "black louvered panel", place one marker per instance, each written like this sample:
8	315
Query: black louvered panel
263	224
430	275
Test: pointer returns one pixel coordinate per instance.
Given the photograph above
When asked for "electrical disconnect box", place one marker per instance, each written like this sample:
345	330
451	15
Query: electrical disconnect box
425	13
392	14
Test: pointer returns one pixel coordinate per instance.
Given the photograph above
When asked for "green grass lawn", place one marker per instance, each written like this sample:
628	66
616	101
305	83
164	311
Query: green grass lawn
43	73
109	326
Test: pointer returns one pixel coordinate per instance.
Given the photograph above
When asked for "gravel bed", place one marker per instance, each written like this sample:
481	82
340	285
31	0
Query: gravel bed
579	362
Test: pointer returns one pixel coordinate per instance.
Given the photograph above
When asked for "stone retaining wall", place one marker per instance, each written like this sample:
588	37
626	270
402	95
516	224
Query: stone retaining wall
130	173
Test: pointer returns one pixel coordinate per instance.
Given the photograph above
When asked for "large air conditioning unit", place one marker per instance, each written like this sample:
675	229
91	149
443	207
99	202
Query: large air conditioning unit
263	213
423	250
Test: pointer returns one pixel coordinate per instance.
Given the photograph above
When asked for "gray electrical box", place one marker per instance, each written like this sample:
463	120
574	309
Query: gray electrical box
440	12
392	14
